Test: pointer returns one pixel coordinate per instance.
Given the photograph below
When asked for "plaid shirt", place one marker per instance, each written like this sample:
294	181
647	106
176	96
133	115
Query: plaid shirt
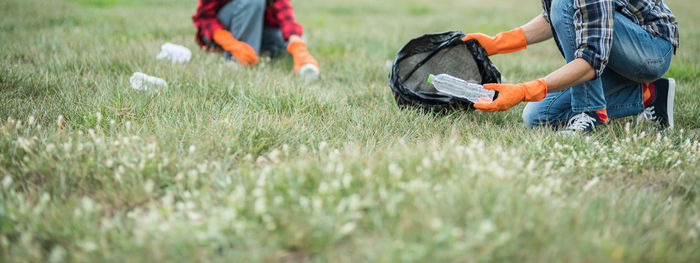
278	13
593	20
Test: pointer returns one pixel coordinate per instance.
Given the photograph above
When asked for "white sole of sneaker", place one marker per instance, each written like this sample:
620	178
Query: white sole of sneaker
669	101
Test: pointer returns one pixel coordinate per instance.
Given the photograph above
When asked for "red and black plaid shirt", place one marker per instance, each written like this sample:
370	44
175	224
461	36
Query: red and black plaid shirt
278	13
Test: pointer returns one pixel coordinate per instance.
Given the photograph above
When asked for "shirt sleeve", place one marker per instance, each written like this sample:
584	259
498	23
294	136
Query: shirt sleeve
545	11
284	12
593	22
205	18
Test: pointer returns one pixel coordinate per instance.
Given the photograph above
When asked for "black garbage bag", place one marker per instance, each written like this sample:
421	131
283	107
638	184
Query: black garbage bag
436	54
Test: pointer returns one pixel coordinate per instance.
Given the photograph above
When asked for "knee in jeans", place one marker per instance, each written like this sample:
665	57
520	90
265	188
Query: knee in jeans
531	117
652	70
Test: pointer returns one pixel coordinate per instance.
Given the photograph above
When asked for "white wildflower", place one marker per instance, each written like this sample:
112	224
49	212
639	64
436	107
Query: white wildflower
260	206
415	186
7	181
304	202
590	184
354	202
194	216
262	179
88	246
31	120
275	155
88	204
366	173
50	147
339	168
60	121
335	184
45	198
435	223
118	173
395	170
98	116
25	144
426	162
258	192
58	254
269	223
148	187
347	228
261	160
347	179
322	187
192	148
278	200
202	168
486	227
317	204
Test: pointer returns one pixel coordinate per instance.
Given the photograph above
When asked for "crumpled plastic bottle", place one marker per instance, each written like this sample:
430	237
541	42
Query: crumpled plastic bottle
174	53
140	81
461	88
309	71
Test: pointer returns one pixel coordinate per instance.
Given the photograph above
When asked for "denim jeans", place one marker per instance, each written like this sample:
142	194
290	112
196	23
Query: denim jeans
245	20
636	57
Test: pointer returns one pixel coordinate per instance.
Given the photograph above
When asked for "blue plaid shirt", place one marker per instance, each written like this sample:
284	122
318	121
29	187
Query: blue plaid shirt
593	20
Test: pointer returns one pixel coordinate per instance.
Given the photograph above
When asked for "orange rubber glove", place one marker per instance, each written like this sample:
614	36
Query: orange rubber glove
510	95
244	53
302	57
504	42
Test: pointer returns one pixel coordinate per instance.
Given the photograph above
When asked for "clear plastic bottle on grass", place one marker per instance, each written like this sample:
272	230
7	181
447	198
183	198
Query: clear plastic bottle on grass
461	88
140	81
309	71
174	53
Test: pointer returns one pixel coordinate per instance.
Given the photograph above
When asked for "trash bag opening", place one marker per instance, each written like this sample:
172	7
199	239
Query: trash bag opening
436	54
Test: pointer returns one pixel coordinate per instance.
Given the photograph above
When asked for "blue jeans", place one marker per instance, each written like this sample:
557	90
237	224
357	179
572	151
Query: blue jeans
636	57
245	20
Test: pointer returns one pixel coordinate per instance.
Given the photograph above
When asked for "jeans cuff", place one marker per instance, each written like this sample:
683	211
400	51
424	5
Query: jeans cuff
587	109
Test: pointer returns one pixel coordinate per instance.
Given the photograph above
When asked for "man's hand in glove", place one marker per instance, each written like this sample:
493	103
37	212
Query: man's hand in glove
510	95
302	57
505	42
244	53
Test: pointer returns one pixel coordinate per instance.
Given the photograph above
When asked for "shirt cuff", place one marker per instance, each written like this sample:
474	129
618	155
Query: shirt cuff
291	29
546	16
594	59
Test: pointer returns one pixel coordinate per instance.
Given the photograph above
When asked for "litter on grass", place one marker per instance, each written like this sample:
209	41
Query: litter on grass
140	81
309	72
174	53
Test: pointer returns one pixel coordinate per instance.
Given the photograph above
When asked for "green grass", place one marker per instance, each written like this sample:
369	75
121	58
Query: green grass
236	164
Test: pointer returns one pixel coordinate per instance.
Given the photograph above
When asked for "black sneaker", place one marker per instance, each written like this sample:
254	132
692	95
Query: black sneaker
660	112
583	122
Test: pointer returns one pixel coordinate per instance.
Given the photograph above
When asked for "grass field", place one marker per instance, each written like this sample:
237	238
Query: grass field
237	164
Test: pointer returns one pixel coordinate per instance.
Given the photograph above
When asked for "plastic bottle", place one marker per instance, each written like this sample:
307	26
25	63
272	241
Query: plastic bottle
174	53
460	88
309	71
140	81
